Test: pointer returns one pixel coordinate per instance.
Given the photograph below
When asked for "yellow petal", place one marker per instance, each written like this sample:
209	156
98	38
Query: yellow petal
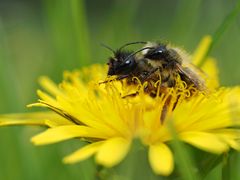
112	151
61	133
161	159
13	122
205	141
45	97
230	136
211	69
202	49
50	86
82	153
49	119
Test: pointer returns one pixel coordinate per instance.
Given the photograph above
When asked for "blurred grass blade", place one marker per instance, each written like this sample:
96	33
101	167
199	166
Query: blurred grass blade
182	157
134	166
222	28
226	171
230	163
207	163
9	93
185	19
119	23
80	30
68	32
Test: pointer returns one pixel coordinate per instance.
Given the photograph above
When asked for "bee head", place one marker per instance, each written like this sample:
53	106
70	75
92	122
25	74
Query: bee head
121	64
159	52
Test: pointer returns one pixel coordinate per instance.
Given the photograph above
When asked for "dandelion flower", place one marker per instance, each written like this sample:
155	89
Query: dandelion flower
98	114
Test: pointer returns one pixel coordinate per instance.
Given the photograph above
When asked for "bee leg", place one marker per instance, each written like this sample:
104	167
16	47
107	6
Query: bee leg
150	73
171	65
131	95
164	113
122	77
165	109
118	78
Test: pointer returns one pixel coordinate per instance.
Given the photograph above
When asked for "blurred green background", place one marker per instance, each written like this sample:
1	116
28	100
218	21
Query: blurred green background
46	37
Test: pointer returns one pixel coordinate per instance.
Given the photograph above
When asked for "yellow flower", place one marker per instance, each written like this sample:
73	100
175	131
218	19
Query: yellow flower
99	115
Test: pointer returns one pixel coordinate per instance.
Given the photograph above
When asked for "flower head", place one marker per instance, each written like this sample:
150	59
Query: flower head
98	113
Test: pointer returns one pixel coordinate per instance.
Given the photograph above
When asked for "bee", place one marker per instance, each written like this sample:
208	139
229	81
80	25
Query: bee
153	62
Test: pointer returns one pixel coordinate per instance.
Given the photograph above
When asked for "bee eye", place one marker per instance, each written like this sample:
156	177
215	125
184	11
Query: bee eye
127	62
145	73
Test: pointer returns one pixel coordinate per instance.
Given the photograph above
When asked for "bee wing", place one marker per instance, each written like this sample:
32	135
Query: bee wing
192	76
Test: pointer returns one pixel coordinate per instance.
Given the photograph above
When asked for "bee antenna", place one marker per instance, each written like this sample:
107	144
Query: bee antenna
107	47
127	44
138	52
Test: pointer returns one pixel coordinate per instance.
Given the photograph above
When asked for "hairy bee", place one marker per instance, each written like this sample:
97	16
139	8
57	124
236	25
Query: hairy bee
153	62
